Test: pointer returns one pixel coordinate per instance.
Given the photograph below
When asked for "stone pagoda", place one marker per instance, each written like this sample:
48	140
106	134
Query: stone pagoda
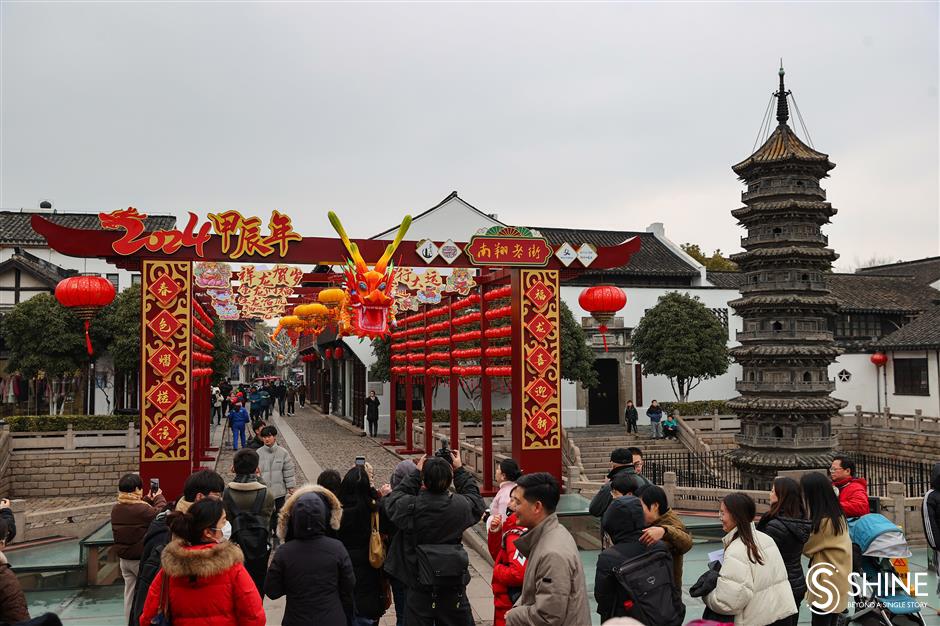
786	307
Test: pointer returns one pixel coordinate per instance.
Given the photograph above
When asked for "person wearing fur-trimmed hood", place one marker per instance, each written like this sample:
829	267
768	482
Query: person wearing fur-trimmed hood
311	569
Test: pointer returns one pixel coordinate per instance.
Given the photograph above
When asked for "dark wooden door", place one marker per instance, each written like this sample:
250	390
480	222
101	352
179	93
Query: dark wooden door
604	399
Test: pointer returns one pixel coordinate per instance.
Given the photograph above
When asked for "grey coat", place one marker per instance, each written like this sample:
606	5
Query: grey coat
277	469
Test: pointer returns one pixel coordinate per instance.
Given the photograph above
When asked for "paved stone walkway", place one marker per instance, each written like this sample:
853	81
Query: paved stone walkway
318	442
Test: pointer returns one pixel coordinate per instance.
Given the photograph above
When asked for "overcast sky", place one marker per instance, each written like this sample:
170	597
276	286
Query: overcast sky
577	115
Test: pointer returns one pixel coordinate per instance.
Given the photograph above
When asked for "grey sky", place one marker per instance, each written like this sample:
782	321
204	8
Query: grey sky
591	115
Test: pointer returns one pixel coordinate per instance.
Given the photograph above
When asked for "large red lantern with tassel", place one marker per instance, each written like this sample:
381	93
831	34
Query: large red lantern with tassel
85	295
879	359
602	302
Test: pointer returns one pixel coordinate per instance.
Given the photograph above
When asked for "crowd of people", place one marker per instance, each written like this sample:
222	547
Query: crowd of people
343	551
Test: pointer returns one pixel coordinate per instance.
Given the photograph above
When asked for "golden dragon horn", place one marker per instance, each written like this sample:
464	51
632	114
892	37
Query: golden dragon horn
350	246
390	249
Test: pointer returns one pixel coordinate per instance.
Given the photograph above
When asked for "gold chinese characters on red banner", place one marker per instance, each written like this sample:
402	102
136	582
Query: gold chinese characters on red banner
165	366
541	372
262	293
240	235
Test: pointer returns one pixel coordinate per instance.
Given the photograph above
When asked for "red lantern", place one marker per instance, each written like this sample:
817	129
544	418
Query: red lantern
879	359
602	302
338	352
328	354
84	295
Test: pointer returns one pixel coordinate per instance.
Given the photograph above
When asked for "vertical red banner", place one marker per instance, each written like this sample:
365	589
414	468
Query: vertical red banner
536	348
166	327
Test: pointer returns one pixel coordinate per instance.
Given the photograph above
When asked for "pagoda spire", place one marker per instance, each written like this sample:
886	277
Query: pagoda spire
783	111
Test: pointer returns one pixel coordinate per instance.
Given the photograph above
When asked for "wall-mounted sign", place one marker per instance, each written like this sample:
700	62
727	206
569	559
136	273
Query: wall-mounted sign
587	253
450	251
566	254
427	250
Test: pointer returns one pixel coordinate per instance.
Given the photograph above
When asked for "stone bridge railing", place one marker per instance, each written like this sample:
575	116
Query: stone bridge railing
916	423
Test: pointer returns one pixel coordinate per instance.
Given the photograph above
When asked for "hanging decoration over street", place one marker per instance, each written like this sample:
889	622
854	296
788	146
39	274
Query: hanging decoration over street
460	281
369	290
263	293
430	288
85	295
240	235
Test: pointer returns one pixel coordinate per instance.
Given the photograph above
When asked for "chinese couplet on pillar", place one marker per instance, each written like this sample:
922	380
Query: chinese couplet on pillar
539	332
165	362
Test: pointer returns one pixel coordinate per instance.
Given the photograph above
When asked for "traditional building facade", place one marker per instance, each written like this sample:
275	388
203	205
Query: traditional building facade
786	344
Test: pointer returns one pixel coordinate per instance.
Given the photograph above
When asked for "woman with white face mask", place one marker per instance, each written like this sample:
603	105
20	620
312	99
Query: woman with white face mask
203	578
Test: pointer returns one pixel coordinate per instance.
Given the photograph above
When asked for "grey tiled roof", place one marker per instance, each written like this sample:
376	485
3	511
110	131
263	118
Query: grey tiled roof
925	271
861	292
653	257
40	268
15	228
922	333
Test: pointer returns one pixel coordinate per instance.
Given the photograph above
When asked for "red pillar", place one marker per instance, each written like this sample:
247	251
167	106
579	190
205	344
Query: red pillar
486	401
536	405
166	437
454	399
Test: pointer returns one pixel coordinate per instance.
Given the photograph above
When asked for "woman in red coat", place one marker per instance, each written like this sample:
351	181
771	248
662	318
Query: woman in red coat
208	584
509	566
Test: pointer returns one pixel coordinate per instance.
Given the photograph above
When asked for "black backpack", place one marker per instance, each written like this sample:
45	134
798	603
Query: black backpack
250	531
648	590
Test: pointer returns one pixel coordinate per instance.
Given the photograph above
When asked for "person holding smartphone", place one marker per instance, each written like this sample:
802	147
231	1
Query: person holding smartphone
130	519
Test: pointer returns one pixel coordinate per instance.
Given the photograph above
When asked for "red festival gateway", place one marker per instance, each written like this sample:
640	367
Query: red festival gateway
501	323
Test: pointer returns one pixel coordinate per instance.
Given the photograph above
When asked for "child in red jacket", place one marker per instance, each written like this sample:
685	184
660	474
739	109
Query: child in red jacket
509	568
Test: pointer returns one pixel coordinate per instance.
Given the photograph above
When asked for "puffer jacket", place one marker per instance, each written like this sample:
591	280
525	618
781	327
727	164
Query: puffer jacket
311	569
790	535
931	509
277	469
853	496
508	570
209	586
12	600
755	594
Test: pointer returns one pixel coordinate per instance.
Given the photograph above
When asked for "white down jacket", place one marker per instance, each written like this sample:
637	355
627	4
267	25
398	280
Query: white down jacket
755	594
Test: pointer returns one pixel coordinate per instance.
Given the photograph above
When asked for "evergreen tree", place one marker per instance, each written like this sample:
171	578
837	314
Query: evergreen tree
681	339
42	335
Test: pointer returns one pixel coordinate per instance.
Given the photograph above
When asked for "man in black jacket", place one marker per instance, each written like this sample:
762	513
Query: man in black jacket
432	516
621	461
199	485
623	522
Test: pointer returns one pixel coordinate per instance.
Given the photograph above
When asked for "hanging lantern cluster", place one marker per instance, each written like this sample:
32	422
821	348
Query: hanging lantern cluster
313	357
84	295
251	360
602	302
